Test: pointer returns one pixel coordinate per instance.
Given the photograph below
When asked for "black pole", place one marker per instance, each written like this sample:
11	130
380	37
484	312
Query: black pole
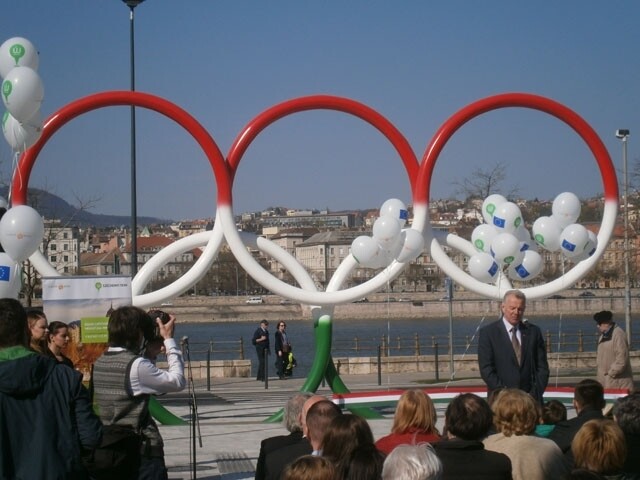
435	346
266	368
379	365
134	202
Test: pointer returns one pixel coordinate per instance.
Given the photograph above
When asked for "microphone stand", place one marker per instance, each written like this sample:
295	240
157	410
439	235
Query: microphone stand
193	408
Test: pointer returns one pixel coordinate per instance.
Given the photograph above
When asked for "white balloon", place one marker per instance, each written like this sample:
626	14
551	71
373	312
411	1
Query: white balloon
386	231
573	240
505	249
397	209
527	269
483	267
507	217
412	245
21	232
481	237
490	205
381	259
526	242
21	135
10	277
363	249
589	248
566	208
17	52
22	93
546	233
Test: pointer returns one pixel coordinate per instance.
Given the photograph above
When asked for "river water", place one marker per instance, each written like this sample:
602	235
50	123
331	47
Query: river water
226	337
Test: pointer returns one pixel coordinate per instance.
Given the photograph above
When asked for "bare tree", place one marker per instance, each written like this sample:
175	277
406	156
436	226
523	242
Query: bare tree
482	183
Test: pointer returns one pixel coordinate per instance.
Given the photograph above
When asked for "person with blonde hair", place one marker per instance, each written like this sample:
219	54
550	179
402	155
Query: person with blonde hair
515	416
413	422
599	446
309	467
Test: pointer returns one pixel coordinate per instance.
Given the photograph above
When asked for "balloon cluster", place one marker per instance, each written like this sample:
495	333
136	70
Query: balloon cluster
504	243
390	241
22	93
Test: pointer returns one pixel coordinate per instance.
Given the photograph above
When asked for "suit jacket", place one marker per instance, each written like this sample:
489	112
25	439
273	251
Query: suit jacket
499	366
257	334
271	444
277	460
564	431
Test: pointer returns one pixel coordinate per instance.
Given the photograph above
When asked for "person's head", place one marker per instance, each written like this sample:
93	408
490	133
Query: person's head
515	413
293	412
309	467
58	334
309	402
128	326
603	319
412	462
513	306
415	410
599	446
365	463
344	434
13	324
264	324
626	412
318	419
38	327
588	393
282	326
553	412
468	417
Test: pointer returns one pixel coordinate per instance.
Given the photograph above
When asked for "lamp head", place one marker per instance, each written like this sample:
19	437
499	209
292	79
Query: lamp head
133	3
622	133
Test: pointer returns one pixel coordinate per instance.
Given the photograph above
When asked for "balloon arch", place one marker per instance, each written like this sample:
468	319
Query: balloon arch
391	246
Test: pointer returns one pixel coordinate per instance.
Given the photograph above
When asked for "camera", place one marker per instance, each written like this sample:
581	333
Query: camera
622	133
164	318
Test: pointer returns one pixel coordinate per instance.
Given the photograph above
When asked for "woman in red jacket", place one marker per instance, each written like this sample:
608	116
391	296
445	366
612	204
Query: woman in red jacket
414	422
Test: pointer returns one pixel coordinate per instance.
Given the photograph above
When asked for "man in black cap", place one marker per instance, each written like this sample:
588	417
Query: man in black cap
614	366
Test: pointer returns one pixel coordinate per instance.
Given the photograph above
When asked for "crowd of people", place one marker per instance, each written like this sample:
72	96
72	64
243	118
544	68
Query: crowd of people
479	440
53	427
512	434
107	430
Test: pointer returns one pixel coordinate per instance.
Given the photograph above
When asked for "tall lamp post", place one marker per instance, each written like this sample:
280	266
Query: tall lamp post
132	4
623	135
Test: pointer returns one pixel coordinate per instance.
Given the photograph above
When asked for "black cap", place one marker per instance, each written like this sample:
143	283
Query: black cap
605	316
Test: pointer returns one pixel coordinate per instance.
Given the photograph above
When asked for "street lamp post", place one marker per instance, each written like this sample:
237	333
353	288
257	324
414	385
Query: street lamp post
132	4
623	135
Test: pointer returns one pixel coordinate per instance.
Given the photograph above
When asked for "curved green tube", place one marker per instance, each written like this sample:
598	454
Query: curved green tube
164	416
323	367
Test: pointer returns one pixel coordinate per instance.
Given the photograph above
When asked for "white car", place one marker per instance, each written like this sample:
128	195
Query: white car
255	300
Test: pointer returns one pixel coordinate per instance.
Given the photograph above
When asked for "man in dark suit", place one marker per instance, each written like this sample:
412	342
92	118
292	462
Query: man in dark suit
588	400
261	341
512	352
292	421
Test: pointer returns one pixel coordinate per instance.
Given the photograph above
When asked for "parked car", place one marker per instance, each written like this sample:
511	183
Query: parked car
587	294
556	297
255	300
362	300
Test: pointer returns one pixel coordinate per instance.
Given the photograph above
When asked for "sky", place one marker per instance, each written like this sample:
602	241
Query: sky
415	62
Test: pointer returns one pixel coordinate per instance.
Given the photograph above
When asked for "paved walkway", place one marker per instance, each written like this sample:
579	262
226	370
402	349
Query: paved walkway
231	420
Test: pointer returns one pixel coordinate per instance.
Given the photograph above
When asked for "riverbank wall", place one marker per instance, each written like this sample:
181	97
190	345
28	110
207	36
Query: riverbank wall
434	367
229	309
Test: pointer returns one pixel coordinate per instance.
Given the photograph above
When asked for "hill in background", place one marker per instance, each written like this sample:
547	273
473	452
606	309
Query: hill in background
51	207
